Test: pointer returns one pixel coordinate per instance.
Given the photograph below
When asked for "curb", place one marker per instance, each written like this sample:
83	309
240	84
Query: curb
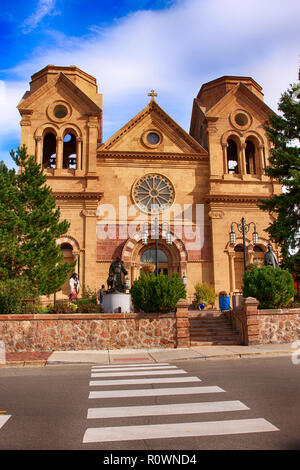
246	355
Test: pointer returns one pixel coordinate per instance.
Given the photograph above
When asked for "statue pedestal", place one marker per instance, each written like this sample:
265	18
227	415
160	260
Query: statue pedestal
116	302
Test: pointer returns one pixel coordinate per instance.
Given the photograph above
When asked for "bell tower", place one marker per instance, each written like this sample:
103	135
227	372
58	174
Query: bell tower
62	120
61	126
228	119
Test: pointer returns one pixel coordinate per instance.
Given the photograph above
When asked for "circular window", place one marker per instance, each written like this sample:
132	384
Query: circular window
153	193
153	138
60	111
241	119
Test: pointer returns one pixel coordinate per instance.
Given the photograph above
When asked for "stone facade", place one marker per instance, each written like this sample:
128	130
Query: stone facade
217	168
65	332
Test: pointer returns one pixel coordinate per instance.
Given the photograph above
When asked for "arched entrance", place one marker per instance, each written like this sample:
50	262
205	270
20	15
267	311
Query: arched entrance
148	256
171	258
70	249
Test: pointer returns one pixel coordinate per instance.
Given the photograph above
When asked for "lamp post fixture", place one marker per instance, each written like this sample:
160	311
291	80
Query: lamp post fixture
243	228
155	232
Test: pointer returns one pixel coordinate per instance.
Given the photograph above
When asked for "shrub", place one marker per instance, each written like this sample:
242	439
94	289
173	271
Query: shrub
13	295
159	294
76	306
273	288
204	293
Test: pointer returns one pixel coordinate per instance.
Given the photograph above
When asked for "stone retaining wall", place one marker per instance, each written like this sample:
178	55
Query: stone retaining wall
279	325
266	325
95	331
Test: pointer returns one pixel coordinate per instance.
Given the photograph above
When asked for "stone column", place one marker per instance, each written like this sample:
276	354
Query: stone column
92	141
90	245
38	150
182	325
251	321
78	153
231	270
243	159
261	160
225	164
59	152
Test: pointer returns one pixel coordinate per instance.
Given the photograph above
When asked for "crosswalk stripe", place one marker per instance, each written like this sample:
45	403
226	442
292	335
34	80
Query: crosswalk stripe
160	380
131	365
135	368
163	431
160	410
154	392
4	419
139	372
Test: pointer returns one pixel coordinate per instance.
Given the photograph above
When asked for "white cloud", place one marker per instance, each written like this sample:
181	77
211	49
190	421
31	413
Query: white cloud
43	8
175	51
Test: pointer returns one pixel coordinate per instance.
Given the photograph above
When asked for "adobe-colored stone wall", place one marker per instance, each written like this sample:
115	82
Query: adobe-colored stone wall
88	331
279	325
266	325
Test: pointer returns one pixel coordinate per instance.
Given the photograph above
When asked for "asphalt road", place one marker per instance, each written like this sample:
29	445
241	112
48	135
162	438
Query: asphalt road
48	407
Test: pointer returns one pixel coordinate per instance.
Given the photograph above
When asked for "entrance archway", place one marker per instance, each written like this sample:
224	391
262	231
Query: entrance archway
173	257
148	256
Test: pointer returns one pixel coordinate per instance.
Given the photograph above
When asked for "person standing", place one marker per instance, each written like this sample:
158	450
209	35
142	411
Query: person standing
74	286
101	294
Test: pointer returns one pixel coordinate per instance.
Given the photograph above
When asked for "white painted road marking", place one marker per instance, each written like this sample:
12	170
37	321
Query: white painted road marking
160	410
165	431
154	392
132	365
160	380
96	369
4	419
138	372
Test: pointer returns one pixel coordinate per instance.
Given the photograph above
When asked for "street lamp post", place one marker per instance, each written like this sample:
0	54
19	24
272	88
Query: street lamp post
243	228
155	232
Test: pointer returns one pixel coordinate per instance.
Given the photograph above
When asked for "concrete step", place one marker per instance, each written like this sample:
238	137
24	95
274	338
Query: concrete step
233	337
215	343
212	329
215	336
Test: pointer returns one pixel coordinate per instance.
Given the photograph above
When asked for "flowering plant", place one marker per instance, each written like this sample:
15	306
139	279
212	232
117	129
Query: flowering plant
223	293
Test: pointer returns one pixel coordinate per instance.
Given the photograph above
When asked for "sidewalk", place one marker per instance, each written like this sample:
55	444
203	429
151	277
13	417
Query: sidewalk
131	356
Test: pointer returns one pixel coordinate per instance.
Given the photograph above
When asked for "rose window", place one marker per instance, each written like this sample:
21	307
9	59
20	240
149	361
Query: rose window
153	193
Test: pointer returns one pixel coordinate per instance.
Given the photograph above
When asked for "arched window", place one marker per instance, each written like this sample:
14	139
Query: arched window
250	158
238	248
69	151
149	255
49	150
232	157
258	249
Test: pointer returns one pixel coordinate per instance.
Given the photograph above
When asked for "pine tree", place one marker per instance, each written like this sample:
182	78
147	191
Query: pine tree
30	226
284	133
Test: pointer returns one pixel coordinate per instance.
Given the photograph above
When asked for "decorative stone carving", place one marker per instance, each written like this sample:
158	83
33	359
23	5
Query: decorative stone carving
216	214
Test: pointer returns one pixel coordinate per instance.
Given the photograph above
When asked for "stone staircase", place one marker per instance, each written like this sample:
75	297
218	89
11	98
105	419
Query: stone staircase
212	328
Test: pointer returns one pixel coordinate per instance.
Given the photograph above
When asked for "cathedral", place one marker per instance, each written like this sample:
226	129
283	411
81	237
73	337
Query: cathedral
154	192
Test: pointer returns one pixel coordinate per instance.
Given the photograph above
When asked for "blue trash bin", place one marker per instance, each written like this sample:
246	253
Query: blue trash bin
224	302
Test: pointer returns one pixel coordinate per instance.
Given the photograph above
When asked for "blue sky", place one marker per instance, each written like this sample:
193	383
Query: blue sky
132	46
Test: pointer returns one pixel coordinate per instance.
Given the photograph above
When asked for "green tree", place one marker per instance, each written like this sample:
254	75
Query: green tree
272	287
30	225
284	132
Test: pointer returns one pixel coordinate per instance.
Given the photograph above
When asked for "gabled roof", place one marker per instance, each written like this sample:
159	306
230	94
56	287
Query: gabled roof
259	104
157	112
29	98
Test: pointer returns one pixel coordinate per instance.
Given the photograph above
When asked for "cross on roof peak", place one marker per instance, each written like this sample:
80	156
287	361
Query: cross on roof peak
152	94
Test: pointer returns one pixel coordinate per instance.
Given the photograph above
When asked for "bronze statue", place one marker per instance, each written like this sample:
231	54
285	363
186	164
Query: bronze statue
114	280
271	258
